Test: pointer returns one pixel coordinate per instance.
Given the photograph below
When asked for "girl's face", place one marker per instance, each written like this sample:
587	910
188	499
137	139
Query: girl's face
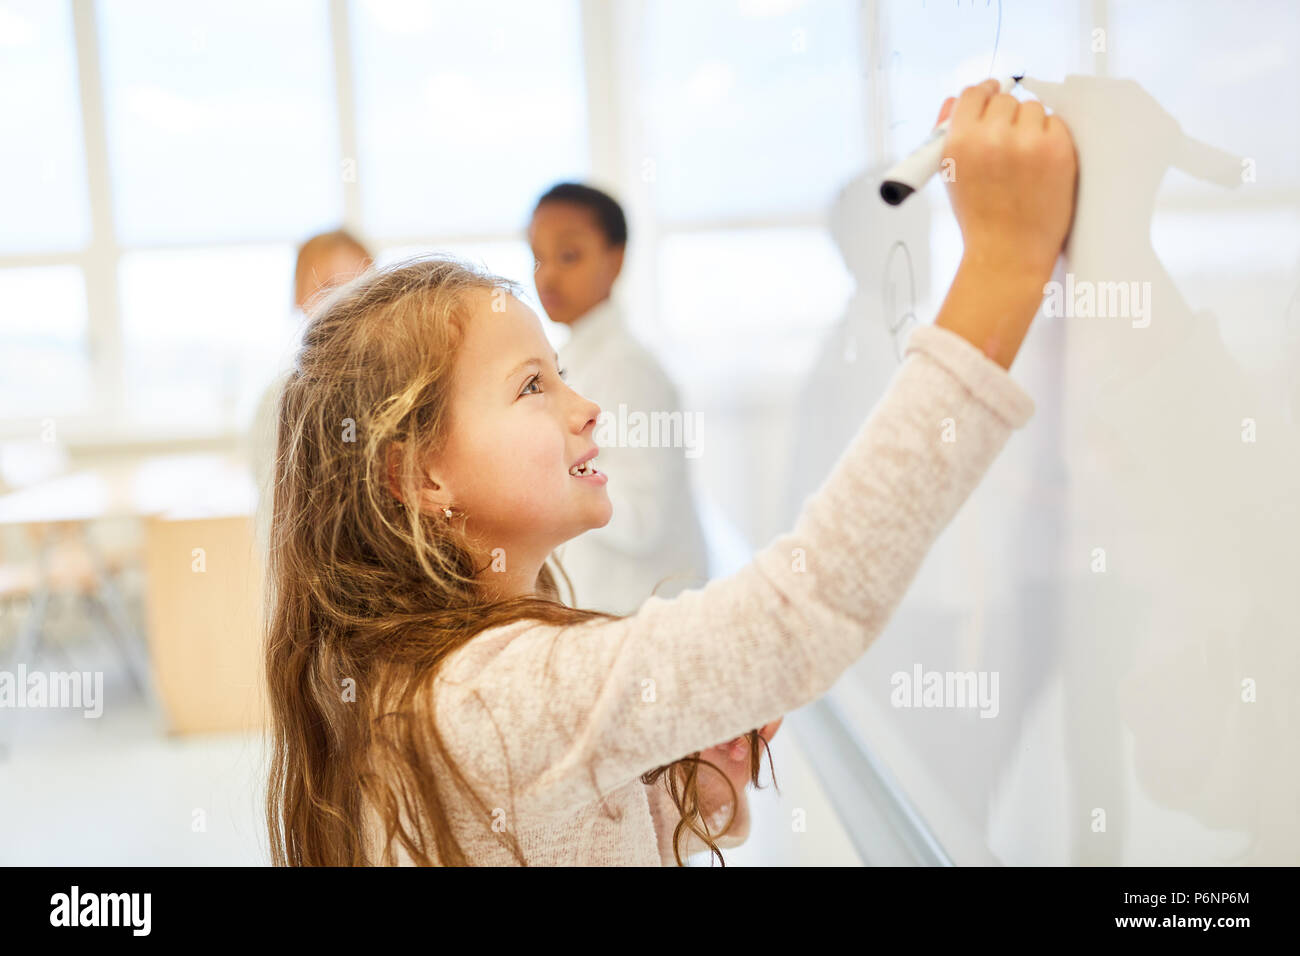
576	265
516	429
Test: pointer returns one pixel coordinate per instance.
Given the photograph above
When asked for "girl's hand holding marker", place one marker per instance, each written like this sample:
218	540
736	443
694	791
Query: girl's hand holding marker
1013	183
1012	186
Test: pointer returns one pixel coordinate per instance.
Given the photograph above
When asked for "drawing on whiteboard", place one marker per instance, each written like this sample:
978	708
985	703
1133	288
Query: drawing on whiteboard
858	356
997	37
899	326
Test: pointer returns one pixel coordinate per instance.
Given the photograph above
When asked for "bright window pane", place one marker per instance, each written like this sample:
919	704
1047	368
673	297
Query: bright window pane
466	112
221	121
764	296
205	331
751	108
42	173
44	356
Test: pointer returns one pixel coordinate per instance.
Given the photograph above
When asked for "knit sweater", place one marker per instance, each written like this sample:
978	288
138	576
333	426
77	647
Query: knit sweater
554	725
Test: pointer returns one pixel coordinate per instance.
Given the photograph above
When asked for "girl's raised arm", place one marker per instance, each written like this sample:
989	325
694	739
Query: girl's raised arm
556	715
552	717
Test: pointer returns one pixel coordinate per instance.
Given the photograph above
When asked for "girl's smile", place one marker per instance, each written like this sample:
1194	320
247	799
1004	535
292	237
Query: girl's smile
592	476
585	468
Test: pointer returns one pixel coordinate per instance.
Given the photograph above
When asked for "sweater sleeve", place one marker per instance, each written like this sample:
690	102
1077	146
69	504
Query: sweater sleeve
544	719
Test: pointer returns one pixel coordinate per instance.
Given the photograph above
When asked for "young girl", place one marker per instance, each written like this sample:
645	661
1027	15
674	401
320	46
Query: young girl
434	702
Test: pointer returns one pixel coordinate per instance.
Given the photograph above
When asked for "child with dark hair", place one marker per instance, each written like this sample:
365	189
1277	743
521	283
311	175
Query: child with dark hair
654	543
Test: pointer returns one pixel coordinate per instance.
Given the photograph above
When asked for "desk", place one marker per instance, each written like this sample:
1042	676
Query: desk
168	493
176	486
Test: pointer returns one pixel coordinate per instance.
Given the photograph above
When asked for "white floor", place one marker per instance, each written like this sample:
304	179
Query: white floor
116	790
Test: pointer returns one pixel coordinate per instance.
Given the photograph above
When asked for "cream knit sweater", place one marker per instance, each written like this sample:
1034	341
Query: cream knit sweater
544	719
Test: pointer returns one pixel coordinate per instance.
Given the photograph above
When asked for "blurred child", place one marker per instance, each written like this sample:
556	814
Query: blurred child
434	701
324	261
654	540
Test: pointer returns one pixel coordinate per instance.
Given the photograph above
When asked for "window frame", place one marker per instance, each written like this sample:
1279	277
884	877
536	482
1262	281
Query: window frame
106	424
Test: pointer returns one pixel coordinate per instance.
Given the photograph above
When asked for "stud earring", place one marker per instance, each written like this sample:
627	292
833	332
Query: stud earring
446	512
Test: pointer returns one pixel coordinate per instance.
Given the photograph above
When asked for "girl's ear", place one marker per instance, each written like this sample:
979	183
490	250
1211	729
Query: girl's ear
393	469
430	493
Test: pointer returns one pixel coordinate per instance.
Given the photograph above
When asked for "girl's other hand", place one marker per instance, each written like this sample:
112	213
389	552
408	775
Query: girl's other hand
732	758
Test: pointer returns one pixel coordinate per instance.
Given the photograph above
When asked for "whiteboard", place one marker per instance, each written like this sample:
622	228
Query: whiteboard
1129	568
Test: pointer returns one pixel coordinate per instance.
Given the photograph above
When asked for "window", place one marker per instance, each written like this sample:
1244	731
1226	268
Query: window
709	296
42	170
204	330
163	161
45	363
213	109
465	112
752	118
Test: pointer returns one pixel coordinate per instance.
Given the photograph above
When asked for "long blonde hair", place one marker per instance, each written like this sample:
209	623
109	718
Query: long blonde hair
366	592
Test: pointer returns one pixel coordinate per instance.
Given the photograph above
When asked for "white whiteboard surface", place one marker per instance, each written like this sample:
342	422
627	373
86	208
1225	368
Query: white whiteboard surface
1130	566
